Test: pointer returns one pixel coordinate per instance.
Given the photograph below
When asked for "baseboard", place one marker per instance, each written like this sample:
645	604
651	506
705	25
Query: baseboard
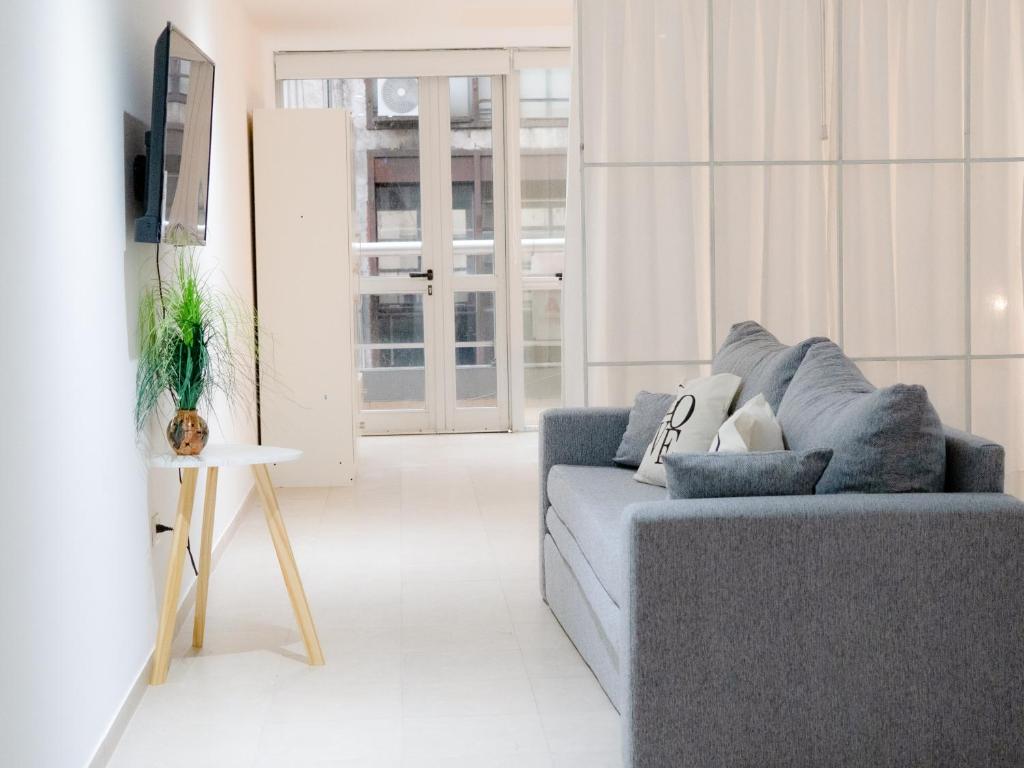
120	721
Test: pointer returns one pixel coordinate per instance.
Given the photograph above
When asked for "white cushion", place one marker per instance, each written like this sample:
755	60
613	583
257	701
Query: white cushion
752	428
690	424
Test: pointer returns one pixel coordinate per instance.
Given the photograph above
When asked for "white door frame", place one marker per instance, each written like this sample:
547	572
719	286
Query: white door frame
473	419
522	58
442	412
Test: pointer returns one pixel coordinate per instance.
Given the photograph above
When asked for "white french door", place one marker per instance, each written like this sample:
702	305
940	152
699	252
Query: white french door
459	169
430	175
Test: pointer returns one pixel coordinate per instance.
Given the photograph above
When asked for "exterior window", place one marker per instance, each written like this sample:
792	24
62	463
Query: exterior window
389	231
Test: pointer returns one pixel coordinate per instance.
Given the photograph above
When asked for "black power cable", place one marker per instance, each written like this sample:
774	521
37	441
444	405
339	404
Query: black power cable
161	528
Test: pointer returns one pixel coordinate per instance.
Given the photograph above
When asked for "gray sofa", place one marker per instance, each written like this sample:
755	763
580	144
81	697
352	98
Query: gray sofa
827	630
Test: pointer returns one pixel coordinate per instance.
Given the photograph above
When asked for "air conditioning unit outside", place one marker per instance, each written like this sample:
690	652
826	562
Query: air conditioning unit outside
397	97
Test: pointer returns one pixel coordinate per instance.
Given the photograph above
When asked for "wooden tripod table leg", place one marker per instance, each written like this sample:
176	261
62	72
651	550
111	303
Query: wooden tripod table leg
205	558
288	568
172	585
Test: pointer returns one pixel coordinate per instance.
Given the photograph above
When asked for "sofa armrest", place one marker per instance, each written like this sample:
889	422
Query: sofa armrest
973	463
825	630
579	436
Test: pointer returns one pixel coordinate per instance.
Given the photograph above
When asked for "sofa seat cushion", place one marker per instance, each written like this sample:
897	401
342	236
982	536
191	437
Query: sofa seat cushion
590	502
887	440
765	364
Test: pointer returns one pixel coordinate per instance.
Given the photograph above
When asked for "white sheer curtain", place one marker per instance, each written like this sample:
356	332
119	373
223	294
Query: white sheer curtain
644	81
775	249
774	62
644	104
903	74
573	334
721	184
903	98
997	226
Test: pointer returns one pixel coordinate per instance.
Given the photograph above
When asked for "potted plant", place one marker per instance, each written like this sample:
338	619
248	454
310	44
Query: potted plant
186	352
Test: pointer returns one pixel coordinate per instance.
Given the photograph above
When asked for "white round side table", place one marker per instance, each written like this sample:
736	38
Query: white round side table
212	458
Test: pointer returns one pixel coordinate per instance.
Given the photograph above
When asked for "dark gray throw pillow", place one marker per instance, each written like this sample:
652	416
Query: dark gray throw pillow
649	408
885	440
765	364
724	475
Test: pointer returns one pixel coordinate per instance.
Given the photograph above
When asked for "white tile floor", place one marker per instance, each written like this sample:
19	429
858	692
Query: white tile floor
422	579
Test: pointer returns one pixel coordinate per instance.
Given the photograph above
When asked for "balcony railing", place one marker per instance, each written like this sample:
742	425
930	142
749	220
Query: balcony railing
385	385
542	256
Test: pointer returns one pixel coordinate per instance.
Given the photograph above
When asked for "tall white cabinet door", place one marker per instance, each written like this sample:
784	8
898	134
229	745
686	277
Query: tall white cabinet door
305	291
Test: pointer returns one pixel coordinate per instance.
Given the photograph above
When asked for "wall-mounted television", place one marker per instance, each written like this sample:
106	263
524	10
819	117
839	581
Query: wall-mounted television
177	183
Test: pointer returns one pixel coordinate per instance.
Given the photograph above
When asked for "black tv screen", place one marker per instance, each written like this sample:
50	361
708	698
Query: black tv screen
178	144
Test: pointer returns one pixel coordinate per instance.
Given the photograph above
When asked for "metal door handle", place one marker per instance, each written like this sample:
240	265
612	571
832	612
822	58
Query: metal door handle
429	274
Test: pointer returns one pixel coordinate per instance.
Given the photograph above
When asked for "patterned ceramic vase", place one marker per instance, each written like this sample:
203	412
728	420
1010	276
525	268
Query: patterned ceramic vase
187	433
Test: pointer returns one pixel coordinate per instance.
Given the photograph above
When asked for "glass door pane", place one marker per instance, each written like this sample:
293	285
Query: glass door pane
394	362
476	373
472	164
542	351
389	215
476	388
392	352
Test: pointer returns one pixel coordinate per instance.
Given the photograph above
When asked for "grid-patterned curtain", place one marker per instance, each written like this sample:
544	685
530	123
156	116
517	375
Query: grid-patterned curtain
849	168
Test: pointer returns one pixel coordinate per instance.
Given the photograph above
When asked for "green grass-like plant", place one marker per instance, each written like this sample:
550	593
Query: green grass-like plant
186	349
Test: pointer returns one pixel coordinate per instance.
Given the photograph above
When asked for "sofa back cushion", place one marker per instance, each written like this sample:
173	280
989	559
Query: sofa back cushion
764	363
645	417
883	440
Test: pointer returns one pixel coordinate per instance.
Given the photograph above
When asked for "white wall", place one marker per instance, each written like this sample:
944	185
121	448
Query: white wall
79	577
80	581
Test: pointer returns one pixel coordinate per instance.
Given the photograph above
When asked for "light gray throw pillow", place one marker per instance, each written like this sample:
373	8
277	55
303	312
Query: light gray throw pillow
885	440
765	364
690	424
728	475
644	419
